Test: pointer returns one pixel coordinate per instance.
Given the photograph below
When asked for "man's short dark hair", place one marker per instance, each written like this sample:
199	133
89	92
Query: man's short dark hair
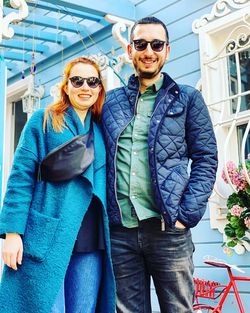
148	20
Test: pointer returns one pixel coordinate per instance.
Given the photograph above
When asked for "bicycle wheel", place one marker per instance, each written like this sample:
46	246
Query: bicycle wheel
202	308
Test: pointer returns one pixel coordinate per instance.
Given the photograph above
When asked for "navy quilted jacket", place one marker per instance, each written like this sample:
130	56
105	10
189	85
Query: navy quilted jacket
180	130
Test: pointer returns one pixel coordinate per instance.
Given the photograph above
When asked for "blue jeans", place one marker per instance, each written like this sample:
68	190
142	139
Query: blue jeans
79	291
144	252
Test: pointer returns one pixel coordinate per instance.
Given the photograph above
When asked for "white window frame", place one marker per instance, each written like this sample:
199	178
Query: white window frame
227	20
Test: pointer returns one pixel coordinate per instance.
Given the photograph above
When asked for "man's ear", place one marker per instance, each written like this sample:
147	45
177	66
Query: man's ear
167	53
129	51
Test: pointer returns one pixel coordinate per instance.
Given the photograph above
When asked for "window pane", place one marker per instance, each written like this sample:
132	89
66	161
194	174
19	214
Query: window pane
20	120
244	62
240	132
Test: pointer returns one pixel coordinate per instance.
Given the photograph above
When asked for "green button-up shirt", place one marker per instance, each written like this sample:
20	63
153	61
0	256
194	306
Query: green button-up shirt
134	190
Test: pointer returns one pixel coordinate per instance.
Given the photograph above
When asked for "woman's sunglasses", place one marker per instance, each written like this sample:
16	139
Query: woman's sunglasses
78	81
156	45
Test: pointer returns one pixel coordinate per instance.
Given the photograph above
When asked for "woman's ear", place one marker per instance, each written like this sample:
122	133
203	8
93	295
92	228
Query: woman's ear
65	88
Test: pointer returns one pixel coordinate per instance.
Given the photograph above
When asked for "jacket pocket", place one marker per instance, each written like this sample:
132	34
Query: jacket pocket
174	186
176	109
38	235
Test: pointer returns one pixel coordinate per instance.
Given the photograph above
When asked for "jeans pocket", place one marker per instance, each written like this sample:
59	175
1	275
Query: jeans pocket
38	235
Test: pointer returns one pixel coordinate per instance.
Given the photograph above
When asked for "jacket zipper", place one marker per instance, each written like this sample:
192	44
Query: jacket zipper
116	154
163	225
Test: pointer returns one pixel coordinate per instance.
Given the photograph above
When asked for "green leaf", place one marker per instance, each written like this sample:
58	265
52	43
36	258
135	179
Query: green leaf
229	231
248	189
235	222
234	198
240	232
232	243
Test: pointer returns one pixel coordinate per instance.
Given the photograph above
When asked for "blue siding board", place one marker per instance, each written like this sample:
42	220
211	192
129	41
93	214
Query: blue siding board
189	79
150	8
99	7
201	235
183	46
182	9
183	66
215	249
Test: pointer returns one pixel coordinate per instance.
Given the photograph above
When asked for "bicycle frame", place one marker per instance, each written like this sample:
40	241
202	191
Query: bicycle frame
231	284
210	293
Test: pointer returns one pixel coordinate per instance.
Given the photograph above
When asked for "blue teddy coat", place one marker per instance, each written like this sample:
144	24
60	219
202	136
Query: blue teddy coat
49	215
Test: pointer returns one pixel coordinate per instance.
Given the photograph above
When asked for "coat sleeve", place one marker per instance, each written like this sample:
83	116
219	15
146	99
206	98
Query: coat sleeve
22	179
202	150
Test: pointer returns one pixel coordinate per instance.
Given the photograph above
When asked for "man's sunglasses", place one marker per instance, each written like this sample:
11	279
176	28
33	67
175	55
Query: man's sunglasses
156	45
78	81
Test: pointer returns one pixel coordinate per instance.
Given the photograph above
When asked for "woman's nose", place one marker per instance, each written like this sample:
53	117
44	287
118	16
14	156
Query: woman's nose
85	85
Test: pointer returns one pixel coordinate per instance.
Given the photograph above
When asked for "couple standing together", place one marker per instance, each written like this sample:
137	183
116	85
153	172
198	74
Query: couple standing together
64	241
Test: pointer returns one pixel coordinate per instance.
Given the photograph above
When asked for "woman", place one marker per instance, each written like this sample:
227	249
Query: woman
56	247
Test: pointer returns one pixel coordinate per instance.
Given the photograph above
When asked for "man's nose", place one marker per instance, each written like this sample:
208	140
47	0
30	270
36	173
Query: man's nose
149	50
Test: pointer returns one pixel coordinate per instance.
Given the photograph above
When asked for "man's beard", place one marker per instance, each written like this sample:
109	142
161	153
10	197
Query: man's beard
148	75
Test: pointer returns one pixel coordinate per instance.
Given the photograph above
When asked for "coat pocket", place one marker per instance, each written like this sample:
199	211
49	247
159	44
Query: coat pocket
39	235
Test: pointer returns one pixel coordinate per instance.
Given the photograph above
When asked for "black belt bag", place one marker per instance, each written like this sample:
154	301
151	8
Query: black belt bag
69	159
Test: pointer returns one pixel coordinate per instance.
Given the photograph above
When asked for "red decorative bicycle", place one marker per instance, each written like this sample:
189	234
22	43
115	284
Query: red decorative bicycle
205	289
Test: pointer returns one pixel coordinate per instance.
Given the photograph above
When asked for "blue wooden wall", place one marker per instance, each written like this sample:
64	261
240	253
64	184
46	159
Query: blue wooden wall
184	67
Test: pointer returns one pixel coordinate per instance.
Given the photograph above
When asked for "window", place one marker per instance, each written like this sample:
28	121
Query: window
20	118
242	60
224	37
240	133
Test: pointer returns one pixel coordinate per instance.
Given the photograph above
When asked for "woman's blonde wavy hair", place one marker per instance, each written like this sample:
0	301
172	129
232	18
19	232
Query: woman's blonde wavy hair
56	110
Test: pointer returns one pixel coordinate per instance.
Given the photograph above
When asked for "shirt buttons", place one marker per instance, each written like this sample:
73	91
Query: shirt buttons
135	153
157	121
133	197
133	173
141	100
176	91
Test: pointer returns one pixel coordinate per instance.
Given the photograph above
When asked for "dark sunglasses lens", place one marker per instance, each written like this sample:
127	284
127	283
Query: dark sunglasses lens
140	45
93	82
157	45
76	81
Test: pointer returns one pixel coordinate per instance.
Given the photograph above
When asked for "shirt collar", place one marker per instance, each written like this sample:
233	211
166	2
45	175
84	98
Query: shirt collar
157	85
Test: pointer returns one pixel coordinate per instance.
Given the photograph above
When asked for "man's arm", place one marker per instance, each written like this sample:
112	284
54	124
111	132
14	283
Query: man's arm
202	150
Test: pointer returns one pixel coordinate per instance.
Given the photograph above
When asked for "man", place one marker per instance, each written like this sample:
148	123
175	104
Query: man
152	128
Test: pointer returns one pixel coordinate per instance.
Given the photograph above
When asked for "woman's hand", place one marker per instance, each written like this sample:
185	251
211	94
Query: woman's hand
13	250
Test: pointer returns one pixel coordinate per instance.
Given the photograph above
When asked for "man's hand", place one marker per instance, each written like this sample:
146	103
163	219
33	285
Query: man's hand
179	225
13	250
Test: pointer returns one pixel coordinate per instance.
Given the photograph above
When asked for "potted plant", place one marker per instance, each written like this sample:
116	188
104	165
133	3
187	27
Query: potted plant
237	229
